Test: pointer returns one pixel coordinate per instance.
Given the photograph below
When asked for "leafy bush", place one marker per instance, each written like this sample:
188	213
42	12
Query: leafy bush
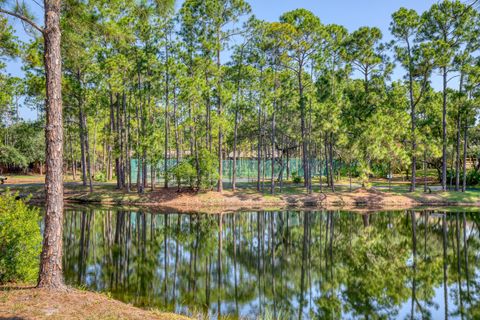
473	177
100	176
296	178
208	165
347	170
20	240
184	173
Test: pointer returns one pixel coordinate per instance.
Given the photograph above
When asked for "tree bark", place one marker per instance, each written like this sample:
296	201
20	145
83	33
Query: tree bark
167	122
465	146
444	131
303	129
332	183
51	272
272	182
413	118
457	159
235	137
220	115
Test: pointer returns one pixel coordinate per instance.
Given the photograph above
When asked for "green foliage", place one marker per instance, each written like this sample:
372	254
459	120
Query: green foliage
29	140
20	239
100	176
142	81
208	169
12	157
184	173
473	177
296	178
26	144
8	41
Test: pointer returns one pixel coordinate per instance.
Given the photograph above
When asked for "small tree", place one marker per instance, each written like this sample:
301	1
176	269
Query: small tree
20	240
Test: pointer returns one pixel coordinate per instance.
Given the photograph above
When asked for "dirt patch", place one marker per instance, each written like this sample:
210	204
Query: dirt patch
29	303
370	197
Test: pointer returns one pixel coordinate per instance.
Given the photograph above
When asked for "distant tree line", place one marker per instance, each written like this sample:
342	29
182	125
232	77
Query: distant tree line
211	82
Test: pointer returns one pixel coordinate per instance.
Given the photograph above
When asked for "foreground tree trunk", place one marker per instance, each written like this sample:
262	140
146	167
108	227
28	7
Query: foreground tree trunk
51	275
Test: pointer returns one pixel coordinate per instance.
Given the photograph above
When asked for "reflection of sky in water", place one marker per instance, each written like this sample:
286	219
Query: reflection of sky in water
358	245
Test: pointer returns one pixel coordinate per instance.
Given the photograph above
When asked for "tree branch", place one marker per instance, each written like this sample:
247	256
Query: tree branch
22	17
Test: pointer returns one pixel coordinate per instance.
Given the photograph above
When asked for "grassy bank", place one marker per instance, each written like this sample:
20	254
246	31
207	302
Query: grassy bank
247	197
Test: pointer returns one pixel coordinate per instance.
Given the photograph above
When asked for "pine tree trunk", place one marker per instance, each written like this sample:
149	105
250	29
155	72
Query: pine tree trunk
272	182
175	126
413	119
51	272
459	124
128	165
87	150
302	127
259	148
465	146
444	131
110	137
94	156
167	121
235	137
81	132
457	159
220	115
327	171
72	159
332	182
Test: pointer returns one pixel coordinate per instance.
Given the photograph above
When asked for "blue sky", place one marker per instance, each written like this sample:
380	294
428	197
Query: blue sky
350	13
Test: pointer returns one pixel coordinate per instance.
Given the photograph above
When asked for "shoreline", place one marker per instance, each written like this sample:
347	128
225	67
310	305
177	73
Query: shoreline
246	197
212	202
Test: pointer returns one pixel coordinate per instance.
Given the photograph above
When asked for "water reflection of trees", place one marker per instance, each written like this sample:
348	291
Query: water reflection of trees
289	264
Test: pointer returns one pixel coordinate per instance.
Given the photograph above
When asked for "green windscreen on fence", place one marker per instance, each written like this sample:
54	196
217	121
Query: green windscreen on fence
247	169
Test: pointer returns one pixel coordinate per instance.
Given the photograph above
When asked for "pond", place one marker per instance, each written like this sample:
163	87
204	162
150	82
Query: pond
280	265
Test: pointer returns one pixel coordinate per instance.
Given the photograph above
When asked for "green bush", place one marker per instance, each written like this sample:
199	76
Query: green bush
208	166
20	240
100	176
184	173
473	178
296	178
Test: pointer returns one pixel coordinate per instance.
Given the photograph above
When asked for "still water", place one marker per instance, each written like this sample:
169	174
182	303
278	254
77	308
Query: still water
281	265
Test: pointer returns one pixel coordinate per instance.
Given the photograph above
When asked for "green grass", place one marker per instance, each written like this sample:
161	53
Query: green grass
449	196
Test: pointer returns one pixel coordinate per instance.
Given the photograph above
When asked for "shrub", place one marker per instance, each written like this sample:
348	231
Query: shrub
20	240
100	176
184	173
473	177
208	165
296	178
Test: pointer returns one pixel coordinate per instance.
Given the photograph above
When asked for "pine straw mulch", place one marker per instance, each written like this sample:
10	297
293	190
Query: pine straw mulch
23	302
